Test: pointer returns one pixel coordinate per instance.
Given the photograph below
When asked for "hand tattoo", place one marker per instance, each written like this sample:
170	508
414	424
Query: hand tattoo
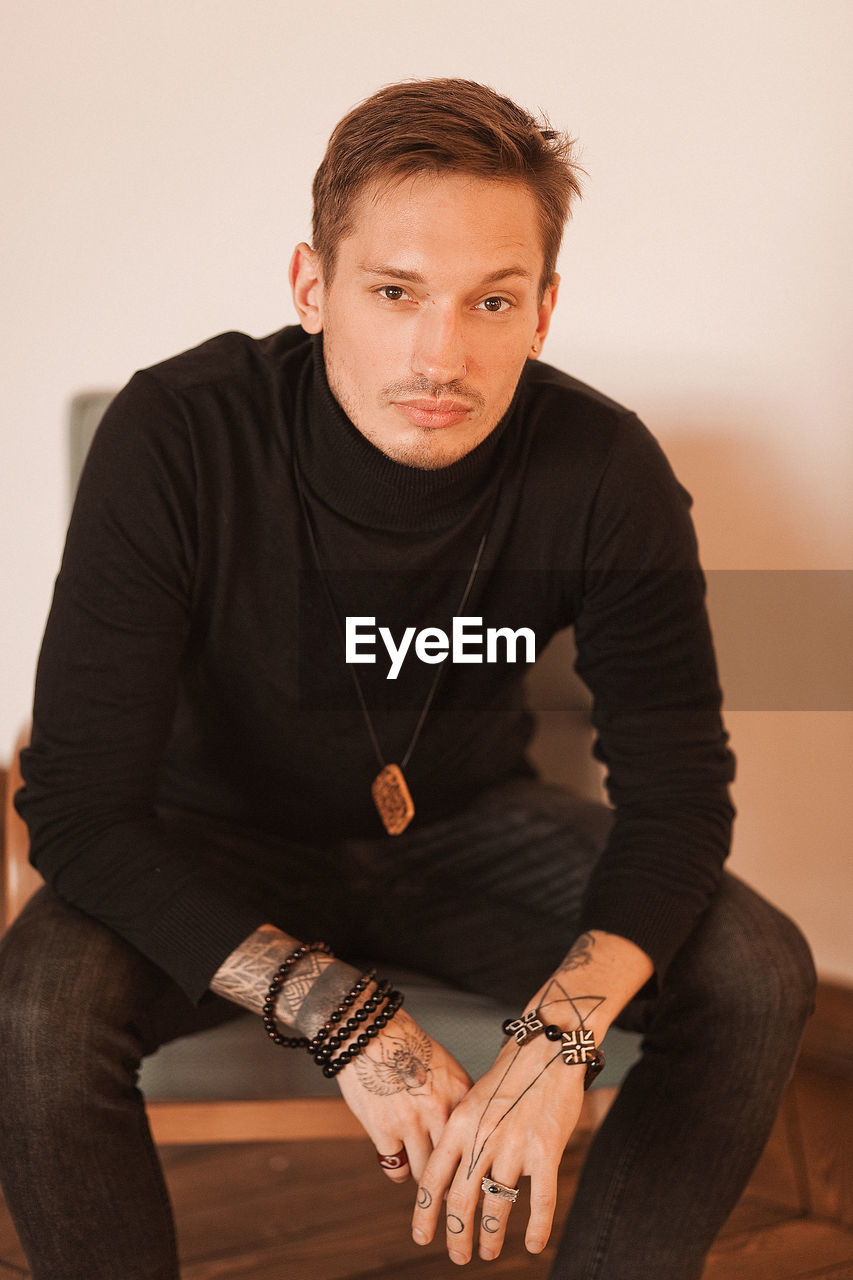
424	1198
479	1146
555	993
402	1062
455	1225
492	1225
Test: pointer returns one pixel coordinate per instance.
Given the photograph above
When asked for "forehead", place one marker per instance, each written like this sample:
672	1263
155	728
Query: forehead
454	219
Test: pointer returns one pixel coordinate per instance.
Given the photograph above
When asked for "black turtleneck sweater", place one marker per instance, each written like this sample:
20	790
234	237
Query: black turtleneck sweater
192	659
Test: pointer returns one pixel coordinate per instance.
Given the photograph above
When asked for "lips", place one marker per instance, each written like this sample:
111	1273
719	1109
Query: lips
433	413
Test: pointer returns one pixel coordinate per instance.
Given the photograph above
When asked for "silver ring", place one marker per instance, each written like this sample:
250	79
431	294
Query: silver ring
498	1189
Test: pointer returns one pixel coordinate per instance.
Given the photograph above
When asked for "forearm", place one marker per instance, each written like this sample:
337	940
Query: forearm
316	984
402	1086
594	982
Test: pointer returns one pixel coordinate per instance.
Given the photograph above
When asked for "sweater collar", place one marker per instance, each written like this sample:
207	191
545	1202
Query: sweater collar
348	473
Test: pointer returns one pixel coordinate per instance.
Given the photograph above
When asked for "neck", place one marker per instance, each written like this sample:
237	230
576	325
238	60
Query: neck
351	475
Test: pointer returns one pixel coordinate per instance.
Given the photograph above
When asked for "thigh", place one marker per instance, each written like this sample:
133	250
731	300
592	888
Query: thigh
488	900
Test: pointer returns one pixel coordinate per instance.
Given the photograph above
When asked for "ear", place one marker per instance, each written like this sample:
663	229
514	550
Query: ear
543	320
306	286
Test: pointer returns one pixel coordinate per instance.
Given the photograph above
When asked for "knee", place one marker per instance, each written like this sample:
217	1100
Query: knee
780	975
751	965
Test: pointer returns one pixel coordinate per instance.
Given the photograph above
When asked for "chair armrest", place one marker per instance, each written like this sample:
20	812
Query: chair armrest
19	880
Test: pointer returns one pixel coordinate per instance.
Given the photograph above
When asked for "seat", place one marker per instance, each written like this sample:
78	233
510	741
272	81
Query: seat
226	1084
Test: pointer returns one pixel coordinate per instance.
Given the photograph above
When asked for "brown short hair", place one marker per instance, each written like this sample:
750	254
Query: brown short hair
436	126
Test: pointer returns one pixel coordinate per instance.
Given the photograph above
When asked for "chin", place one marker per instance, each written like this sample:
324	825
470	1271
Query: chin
424	456
426	450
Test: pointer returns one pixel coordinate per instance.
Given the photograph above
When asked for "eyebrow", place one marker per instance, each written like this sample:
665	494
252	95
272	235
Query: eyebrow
415	277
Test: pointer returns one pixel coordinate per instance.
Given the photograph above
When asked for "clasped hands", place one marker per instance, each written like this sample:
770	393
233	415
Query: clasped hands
411	1094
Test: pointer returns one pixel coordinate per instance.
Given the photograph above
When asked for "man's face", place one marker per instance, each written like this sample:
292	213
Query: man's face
431	313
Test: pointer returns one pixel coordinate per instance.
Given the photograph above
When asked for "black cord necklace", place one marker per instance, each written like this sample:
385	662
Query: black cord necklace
389	788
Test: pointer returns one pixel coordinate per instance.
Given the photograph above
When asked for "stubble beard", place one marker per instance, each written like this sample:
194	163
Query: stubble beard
419	448
425	448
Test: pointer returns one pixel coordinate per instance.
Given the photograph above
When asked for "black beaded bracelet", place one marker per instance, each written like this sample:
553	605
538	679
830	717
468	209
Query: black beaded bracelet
323	1051
332	1034
269	1008
394	1000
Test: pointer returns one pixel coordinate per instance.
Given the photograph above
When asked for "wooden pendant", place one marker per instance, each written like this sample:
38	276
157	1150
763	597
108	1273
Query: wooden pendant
392	799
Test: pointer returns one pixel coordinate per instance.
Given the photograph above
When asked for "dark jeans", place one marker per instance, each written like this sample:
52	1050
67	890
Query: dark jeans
488	900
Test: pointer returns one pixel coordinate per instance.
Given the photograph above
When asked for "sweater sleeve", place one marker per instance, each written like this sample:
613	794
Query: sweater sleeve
645	651
118	631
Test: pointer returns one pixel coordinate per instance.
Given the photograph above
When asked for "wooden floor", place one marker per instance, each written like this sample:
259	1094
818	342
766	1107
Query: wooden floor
318	1211
322	1210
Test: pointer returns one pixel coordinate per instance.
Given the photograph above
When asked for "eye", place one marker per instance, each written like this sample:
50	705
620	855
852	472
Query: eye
392	292
495	305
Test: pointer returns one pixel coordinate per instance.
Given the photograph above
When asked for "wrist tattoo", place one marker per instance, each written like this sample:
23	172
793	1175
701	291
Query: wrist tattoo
308	1007
577	1008
579	955
244	978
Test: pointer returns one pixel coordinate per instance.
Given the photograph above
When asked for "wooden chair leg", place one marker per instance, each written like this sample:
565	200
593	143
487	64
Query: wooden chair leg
19	880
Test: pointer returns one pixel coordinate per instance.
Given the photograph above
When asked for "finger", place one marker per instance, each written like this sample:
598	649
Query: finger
393	1160
419	1148
460	1217
496	1210
433	1183
461	1213
543	1201
436	1129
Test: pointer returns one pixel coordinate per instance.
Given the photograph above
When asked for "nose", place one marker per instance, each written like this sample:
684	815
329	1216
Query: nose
438	352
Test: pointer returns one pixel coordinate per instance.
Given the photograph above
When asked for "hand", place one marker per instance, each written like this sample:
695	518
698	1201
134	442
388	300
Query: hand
402	1088
514	1122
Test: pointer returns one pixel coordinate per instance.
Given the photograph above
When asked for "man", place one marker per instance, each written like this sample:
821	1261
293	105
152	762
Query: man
219	742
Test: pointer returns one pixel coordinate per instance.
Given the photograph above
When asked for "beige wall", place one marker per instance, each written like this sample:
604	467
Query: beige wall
156	160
